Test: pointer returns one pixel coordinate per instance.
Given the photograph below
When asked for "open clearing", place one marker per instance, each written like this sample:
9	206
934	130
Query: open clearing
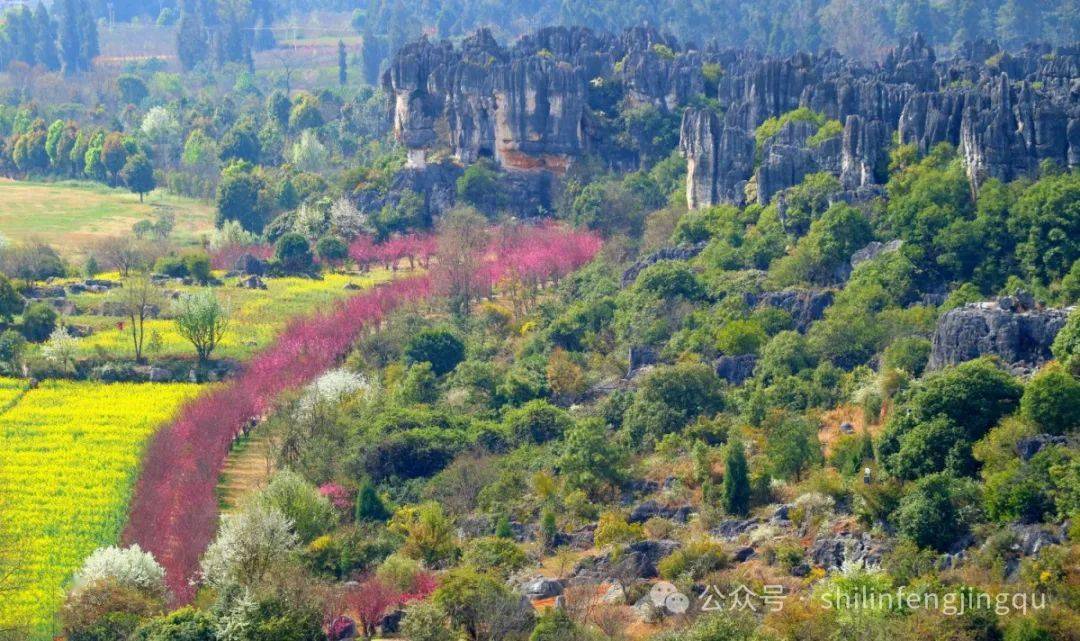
72	215
70	451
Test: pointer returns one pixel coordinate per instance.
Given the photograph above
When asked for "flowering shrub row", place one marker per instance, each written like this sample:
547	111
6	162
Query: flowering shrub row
414	248
174	509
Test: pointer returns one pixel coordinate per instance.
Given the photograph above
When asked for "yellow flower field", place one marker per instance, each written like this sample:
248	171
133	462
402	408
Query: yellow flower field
258	315
69	453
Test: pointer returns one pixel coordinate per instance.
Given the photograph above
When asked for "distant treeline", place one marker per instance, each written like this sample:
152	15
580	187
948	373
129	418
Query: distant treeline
215	31
65	39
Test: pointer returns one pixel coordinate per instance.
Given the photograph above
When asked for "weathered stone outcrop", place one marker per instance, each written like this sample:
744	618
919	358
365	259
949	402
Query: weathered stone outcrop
1006	113
537	106
805	306
682	252
1019	337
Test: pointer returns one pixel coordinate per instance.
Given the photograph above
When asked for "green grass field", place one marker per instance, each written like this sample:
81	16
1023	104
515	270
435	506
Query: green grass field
70	451
72	215
257	315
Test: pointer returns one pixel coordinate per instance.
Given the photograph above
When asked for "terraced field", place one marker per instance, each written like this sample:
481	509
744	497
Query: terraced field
69	452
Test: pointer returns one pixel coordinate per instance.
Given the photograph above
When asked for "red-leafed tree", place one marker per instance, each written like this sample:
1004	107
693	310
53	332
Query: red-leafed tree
372	600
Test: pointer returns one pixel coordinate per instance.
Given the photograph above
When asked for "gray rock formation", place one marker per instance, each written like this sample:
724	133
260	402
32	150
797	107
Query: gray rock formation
1005	118
736	369
1020	337
804	305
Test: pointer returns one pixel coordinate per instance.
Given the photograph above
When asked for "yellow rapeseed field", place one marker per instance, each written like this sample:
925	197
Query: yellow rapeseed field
69	454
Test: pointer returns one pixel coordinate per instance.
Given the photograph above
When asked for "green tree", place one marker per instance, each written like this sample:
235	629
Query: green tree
10	301
1051	401
736	480
202	320
343	64
974	395
669	398
479	605
38	322
440	347
1046	224
938	510
241	197
138	175
369	506
332	250
305	113
537	421
478	186
792	444
590	459
114	155
192	45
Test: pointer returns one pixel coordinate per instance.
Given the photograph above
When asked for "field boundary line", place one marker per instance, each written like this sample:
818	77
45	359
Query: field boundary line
18	398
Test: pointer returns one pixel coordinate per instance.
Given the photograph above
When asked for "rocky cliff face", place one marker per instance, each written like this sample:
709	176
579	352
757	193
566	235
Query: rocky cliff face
1005	113
532	107
1019	336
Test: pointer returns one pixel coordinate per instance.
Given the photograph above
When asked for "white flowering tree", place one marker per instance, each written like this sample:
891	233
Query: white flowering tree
61	349
128	567
247	546
346	220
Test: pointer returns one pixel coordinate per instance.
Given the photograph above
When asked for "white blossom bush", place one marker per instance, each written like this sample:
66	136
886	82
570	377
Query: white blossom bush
346	220
331	387
129	567
61	348
248	544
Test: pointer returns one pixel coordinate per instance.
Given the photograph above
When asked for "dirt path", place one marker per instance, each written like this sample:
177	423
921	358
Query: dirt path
247	471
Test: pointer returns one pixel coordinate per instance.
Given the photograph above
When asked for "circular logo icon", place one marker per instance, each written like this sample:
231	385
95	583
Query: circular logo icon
660	592
677	603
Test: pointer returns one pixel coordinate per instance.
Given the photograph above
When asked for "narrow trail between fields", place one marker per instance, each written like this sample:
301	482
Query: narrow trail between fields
247	470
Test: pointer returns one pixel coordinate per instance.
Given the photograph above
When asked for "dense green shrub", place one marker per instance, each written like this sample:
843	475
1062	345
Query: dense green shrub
938	510
440	347
38	322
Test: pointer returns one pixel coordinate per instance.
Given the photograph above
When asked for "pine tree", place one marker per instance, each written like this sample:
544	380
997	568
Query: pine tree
191	42
369	507
88	36
736	481
45	49
342	64
502	528
70	45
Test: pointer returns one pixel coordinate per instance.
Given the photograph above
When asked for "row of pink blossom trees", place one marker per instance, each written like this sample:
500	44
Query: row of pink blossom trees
174	511
414	248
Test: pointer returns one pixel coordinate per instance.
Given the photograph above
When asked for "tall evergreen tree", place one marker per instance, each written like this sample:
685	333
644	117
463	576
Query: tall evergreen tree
45	48
191	39
70	39
736	481
342	64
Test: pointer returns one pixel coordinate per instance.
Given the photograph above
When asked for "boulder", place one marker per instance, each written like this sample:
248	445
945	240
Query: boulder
736	369
250	265
743	554
682	252
832	551
804	305
873	250
251	282
542	588
1030	446
1020	338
